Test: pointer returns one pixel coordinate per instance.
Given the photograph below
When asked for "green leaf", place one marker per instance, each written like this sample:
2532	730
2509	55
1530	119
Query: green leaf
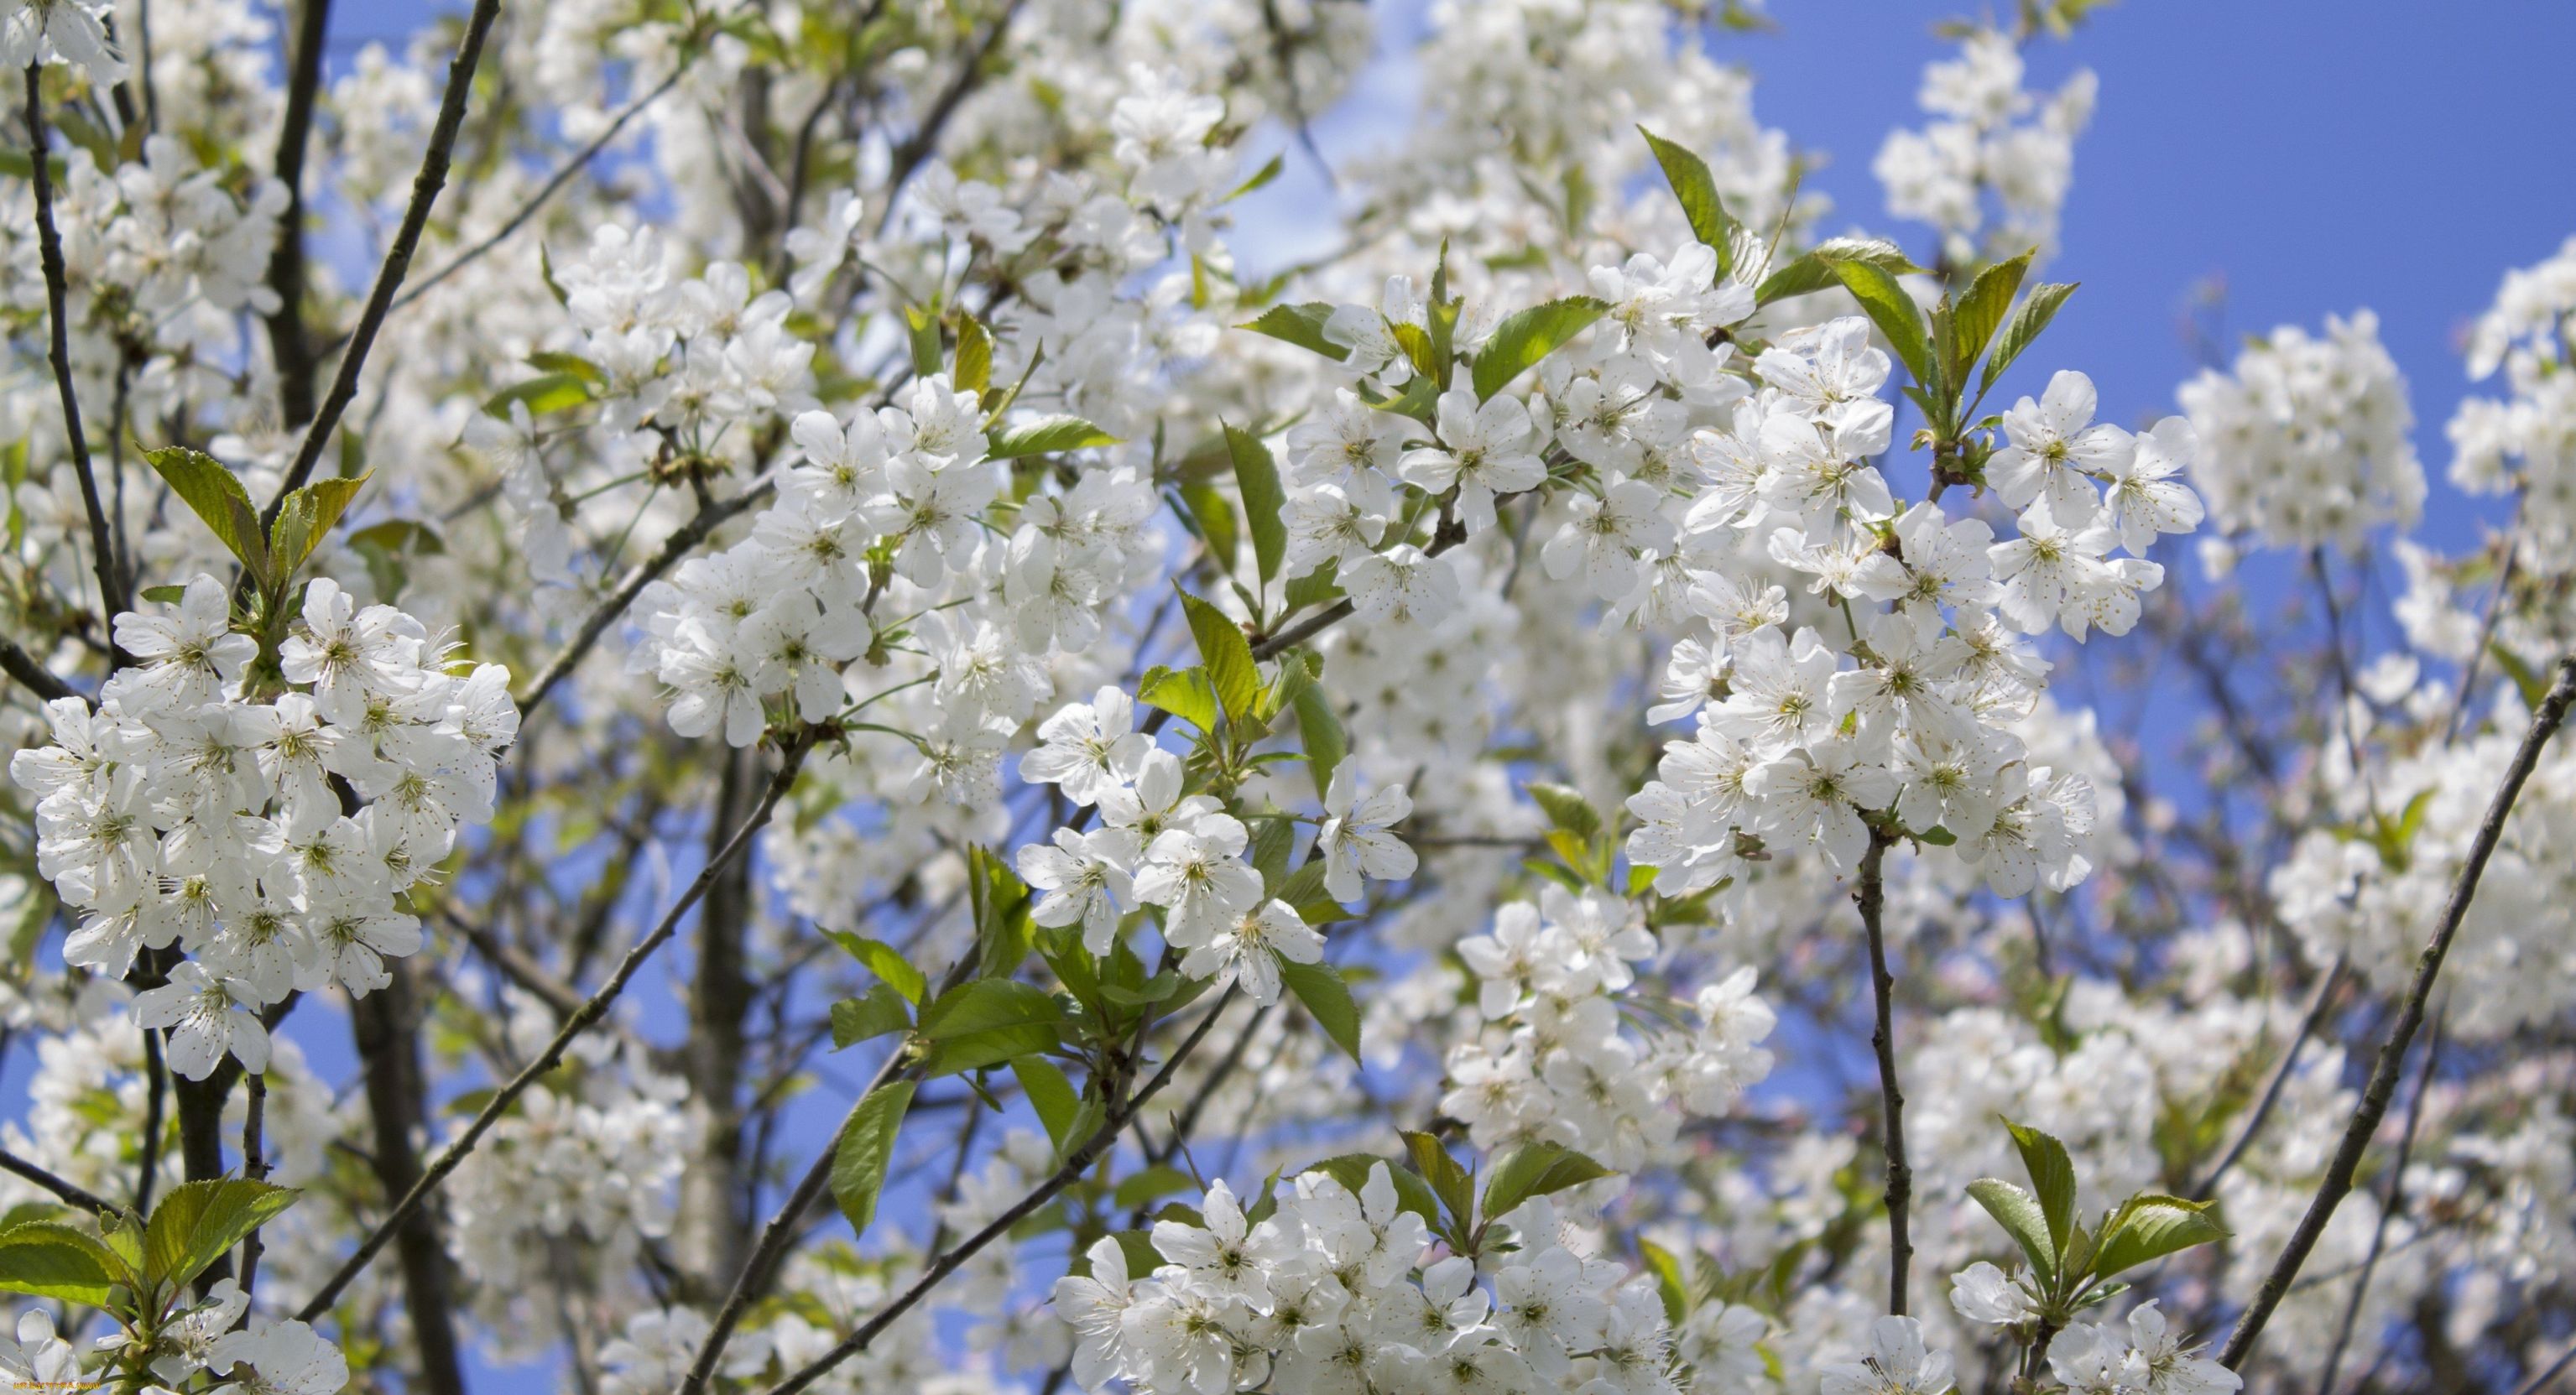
983	1004
974	371
1981	311
1815	271
1442	1174
1535	1169
921	331
2524	677
48	1259
1567	809
1668	1275
2150	1227
1314	588
2037	309
1260	177
1213	519
1321	732
871	1014
2052	1179
865	1147
1324	992
1046	436
164	595
547	392
216	496
1272	843
1051	1095
1001	906
306	518
1526	336
1893	311
1149	1183
573	364
1227	656
885	962
1301	325
1265	504
1697	190
198	1221
2018	1212
1185	693
1305	891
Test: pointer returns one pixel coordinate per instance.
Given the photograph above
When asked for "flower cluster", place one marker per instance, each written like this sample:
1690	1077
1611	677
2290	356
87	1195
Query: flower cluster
1992	137
1566	1060
265	828
1810	737
2304	443
1332	1290
2525	444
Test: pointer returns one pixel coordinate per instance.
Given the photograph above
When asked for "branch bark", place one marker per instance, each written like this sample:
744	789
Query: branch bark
385	1026
1872	898
2373	1107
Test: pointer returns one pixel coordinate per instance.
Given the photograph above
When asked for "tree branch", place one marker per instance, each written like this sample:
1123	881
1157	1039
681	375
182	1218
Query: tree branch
2392	1053
290	346
792	759
424	192
1872	898
72	1193
49	250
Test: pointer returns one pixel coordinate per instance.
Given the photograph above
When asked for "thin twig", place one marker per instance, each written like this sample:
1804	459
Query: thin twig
72	1193
2308	1021
1872	898
34	677
674	547
554	184
793	759
49	255
2392	1053
290	343
424	193
1076	1163
2394	1203
254	1167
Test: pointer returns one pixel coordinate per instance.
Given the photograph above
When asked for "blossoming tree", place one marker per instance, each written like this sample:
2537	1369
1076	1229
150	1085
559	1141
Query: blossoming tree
706	698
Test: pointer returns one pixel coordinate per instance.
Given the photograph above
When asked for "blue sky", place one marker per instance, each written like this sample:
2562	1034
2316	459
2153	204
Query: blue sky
2314	156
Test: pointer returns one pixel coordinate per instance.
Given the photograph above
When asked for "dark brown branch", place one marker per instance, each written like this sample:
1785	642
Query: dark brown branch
385	1027
1872	899
2390	1206
2392	1053
424	193
58	348
72	1193
793	759
290	344
34	677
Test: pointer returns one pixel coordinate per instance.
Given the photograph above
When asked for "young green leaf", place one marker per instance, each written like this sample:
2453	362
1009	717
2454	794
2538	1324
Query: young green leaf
1526	336
1441	1172
2037	309
1321	988
1185	693
216	496
1265	504
1697	190
306	518
2018	1212
866	1145
1321	731
2052	1179
48	1259
981	1005
1534	1169
198	1221
1045	436
1814	271
1979	312
2149	1228
1898	318
871	1014
1567	809
974	371
1213	519
1227	656
921	331
1051	1095
546	392
1668	1277
885	962
1301	325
